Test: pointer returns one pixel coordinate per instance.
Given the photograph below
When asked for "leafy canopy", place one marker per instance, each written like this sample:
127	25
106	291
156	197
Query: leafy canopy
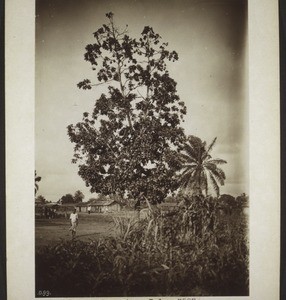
129	143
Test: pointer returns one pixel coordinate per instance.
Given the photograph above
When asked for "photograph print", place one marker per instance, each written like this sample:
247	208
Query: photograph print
141	148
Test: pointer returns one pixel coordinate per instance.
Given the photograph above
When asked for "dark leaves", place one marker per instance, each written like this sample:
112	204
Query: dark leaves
109	15
85	84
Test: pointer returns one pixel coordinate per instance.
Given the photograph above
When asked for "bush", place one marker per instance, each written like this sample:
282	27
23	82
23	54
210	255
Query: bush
192	251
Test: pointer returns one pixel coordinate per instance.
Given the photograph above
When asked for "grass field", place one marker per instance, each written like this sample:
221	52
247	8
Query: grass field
91	227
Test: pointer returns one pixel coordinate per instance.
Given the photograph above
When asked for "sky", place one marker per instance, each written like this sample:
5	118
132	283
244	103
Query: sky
211	40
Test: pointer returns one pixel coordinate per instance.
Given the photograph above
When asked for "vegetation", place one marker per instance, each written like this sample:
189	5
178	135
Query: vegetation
41	199
242	201
194	251
37	179
128	145
69	198
199	168
78	196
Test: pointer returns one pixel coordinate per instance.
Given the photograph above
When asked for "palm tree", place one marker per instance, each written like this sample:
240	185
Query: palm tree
37	179
198	167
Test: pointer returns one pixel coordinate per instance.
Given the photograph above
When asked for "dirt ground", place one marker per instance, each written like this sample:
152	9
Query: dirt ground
90	227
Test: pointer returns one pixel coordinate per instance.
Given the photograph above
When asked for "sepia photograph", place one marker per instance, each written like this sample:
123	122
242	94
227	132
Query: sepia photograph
141	148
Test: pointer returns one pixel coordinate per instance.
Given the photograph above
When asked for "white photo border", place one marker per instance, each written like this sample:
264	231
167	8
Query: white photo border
264	151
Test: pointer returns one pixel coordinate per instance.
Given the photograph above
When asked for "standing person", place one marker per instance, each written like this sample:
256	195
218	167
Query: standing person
74	222
89	209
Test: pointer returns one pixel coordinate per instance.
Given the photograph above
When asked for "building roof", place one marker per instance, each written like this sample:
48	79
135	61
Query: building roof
51	204
102	202
82	204
68	204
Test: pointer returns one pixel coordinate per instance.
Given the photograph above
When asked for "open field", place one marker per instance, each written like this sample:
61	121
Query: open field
91	227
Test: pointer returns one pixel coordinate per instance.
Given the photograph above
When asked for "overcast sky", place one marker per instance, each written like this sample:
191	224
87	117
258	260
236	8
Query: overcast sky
210	38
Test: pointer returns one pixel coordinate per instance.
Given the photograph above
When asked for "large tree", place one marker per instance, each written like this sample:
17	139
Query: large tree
199	169
128	144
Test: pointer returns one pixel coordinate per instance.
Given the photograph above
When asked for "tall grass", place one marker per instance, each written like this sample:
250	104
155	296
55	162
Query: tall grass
193	251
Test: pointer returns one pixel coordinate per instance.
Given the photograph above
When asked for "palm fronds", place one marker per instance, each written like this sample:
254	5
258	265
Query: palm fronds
198	168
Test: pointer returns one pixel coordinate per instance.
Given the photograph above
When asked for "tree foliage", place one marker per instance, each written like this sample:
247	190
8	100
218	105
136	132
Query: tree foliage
242	200
199	168
78	196
68	198
37	180
227	203
129	143
41	199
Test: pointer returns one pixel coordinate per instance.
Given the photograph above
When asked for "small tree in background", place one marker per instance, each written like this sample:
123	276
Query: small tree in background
68	198
41	199
242	201
227	203
129	143
78	196
37	180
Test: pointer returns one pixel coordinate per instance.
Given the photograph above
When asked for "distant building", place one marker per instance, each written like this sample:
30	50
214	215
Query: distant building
99	206
82	206
66	207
